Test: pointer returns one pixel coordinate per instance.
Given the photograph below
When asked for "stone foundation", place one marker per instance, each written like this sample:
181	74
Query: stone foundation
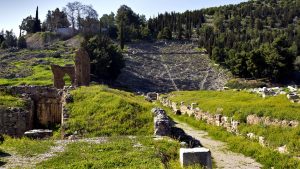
15	121
44	110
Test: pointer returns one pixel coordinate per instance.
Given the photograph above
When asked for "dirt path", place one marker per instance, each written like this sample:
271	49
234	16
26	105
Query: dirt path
221	155
17	161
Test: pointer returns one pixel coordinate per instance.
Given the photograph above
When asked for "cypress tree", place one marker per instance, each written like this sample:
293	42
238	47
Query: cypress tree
37	22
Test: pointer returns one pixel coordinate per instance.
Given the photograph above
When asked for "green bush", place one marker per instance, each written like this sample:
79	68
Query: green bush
106	59
22	43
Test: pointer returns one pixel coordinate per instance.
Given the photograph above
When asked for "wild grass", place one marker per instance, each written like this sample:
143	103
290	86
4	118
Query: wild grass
264	155
118	152
276	136
101	111
239	104
26	147
7	100
41	73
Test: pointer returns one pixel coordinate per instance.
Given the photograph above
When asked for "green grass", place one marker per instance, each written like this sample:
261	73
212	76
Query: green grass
41	74
240	104
26	147
119	152
7	100
101	111
265	156
38	68
276	136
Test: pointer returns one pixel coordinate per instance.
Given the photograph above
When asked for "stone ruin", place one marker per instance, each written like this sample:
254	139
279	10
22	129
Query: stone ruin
44	109
194	153
79	74
45	106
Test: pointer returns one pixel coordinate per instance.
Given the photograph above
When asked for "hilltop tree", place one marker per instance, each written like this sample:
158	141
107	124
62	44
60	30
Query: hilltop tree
108	25
10	40
73	11
30	24
56	19
1	37
128	24
37	22
82	17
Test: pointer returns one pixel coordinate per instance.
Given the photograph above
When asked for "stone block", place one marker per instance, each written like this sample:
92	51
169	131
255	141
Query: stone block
195	156
38	133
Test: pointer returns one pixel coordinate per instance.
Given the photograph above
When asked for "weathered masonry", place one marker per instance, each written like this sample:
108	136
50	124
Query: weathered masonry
45	105
43	110
80	74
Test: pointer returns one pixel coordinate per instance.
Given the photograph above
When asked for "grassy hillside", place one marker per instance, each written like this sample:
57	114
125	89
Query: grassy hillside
7	100
240	104
102	111
32	67
99	111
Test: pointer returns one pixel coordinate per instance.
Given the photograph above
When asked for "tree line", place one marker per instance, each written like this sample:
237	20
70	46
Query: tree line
254	39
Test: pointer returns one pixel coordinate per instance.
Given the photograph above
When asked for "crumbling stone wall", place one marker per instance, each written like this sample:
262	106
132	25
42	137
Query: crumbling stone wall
15	121
46	104
80	74
82	68
59	73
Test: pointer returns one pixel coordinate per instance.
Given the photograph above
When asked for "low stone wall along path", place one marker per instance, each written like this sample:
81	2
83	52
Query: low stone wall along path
223	158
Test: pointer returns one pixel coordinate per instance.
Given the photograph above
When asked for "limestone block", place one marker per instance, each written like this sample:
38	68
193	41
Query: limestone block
38	133
195	156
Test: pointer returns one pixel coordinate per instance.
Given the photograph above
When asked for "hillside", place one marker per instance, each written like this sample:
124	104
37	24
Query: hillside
169	66
253	39
107	128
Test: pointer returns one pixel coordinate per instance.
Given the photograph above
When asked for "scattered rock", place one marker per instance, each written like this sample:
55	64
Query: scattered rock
282	149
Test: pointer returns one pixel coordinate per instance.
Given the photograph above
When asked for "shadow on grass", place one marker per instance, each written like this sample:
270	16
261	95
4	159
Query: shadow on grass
3	154
180	135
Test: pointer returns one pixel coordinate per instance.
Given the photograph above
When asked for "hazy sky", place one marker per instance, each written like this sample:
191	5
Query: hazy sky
13	11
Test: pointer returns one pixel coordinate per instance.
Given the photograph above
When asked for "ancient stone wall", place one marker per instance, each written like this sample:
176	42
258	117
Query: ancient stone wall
82	68
47	104
58	75
228	122
15	121
80	74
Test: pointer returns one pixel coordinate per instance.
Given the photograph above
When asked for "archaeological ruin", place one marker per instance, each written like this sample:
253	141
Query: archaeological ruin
80	74
45	106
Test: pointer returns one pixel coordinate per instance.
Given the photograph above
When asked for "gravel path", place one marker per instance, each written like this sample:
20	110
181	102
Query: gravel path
16	161
222	156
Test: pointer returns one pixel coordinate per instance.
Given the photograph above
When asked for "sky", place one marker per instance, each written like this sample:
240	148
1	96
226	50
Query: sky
12	12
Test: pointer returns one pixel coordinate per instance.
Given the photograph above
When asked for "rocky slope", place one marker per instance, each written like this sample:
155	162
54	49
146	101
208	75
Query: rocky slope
169	66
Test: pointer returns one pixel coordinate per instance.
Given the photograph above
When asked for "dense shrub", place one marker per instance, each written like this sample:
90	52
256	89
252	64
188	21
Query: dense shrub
22	43
106	59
